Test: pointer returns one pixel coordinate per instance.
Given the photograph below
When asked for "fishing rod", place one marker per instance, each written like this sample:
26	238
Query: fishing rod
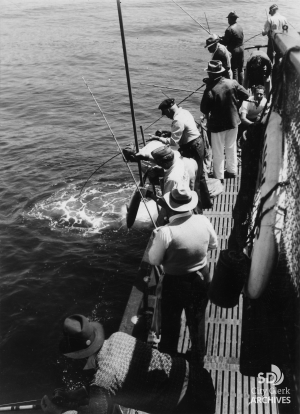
20	407
129	86
167	87
94	172
255	47
164	94
206	21
192	17
251	38
178	104
121	152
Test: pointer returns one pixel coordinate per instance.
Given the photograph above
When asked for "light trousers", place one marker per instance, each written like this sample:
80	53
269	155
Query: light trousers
220	141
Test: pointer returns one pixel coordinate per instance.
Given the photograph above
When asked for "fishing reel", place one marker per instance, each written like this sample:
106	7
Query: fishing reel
70	400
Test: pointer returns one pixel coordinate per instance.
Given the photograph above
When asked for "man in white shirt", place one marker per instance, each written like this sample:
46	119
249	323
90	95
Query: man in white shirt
273	25
184	132
181	248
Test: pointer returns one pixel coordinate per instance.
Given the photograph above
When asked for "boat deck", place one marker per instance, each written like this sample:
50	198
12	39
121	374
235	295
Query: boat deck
235	392
223	329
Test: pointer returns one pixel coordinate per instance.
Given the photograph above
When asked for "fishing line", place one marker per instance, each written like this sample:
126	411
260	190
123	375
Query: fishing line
192	17
178	104
252	38
167	87
121	152
206	21
94	172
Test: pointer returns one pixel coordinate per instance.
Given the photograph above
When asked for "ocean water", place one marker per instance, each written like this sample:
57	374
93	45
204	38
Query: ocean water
61	253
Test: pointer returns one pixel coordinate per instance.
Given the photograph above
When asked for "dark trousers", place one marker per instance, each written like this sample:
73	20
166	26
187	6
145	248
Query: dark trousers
188	292
200	397
195	149
237	63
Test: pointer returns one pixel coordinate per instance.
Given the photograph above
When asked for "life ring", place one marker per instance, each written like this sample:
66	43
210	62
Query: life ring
270	221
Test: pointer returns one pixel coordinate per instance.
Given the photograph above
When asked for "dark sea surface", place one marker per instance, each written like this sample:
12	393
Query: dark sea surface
61	254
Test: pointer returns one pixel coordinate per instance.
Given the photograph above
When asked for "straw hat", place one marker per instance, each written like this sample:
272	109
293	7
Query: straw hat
181	198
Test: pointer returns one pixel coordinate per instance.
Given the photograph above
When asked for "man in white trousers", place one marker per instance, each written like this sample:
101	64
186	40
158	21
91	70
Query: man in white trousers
220	103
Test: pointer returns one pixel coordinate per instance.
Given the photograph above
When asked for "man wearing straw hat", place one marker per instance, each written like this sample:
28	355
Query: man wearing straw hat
220	103
219	52
130	373
181	248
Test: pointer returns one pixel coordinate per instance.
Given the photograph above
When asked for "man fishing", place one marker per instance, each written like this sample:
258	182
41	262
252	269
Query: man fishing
220	103
130	373
233	39
274	24
184	132
219	52
181	248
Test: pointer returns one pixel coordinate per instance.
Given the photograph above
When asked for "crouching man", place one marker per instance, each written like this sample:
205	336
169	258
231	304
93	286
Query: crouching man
130	373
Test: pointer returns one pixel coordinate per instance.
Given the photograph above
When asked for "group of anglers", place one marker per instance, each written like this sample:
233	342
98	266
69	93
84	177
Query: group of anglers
127	371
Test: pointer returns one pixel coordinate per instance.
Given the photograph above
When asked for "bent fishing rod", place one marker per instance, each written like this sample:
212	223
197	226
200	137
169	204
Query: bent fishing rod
121	152
177	104
192	18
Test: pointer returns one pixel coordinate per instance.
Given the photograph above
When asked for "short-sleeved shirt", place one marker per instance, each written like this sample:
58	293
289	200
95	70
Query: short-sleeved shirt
275	23
251	110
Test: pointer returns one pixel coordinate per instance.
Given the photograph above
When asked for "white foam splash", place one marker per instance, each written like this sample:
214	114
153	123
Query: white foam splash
96	209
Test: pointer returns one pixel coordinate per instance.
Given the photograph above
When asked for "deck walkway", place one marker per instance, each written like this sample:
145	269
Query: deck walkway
223	330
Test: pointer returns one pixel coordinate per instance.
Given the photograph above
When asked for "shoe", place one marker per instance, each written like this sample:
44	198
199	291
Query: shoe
229	175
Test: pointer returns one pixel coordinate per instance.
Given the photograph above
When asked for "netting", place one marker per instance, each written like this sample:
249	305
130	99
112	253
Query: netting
290	106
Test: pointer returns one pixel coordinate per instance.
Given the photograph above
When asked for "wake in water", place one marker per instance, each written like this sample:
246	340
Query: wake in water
95	210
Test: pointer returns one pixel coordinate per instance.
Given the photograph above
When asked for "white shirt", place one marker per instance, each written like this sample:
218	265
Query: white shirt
275	23
251	110
183	169
183	128
163	238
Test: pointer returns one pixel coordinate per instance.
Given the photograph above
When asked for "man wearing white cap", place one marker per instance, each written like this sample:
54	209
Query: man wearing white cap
220	103
181	248
273	25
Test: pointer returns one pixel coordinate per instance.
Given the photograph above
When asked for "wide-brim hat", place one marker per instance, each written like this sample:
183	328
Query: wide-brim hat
181	198
82	337
166	104
232	15
215	66
212	40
